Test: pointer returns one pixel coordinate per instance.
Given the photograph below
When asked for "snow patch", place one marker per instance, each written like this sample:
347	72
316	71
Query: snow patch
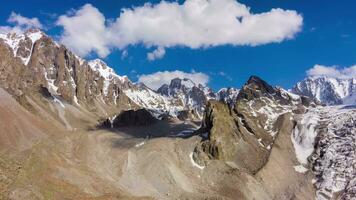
107	73
59	102
194	163
140	144
300	169
13	40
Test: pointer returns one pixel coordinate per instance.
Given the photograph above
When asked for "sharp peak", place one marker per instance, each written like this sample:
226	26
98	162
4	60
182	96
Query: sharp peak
97	60
256	82
34	30
254	79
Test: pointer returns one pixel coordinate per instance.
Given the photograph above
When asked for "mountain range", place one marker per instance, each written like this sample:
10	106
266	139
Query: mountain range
75	129
328	90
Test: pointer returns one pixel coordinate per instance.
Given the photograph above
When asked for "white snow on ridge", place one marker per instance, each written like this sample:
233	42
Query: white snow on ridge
13	40
188	83
34	36
106	72
153	101
328	90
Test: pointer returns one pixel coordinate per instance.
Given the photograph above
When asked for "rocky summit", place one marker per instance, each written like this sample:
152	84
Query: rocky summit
72	128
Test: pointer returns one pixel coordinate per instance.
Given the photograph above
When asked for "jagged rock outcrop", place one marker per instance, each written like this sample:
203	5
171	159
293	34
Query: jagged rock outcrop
244	133
32	61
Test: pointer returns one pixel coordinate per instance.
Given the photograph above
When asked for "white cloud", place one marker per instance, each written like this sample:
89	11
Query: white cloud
85	31
225	75
157	79
332	71
156	54
193	24
20	23
124	54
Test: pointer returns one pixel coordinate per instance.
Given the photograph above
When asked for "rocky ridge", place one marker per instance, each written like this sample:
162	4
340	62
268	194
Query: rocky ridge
32	63
244	134
39	61
180	97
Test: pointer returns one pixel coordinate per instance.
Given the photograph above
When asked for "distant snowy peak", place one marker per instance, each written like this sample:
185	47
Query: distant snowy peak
227	95
156	103
177	85
22	44
330	91
182	94
187	93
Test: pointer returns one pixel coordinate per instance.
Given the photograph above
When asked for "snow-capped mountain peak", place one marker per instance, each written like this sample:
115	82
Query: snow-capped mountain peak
328	90
22	44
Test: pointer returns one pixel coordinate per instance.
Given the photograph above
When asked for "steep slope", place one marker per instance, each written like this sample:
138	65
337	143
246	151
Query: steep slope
20	129
328	90
43	74
254	136
244	134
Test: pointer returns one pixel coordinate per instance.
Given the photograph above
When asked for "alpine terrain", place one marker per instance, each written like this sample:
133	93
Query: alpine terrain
72	128
328	90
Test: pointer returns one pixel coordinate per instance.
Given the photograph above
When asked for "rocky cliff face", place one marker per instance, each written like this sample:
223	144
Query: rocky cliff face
33	65
330	91
37	60
243	135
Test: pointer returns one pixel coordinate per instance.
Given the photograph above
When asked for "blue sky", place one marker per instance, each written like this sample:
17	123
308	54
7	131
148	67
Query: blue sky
326	37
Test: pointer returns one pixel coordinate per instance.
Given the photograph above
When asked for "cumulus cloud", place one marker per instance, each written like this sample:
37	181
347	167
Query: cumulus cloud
193	24
156	54
157	79
332	71
124	54
225	75
20	23
85	31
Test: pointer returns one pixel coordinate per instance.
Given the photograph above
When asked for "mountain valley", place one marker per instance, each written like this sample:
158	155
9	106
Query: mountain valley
74	129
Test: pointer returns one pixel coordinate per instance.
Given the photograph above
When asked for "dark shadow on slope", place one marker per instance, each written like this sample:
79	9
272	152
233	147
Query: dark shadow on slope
158	129
136	136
